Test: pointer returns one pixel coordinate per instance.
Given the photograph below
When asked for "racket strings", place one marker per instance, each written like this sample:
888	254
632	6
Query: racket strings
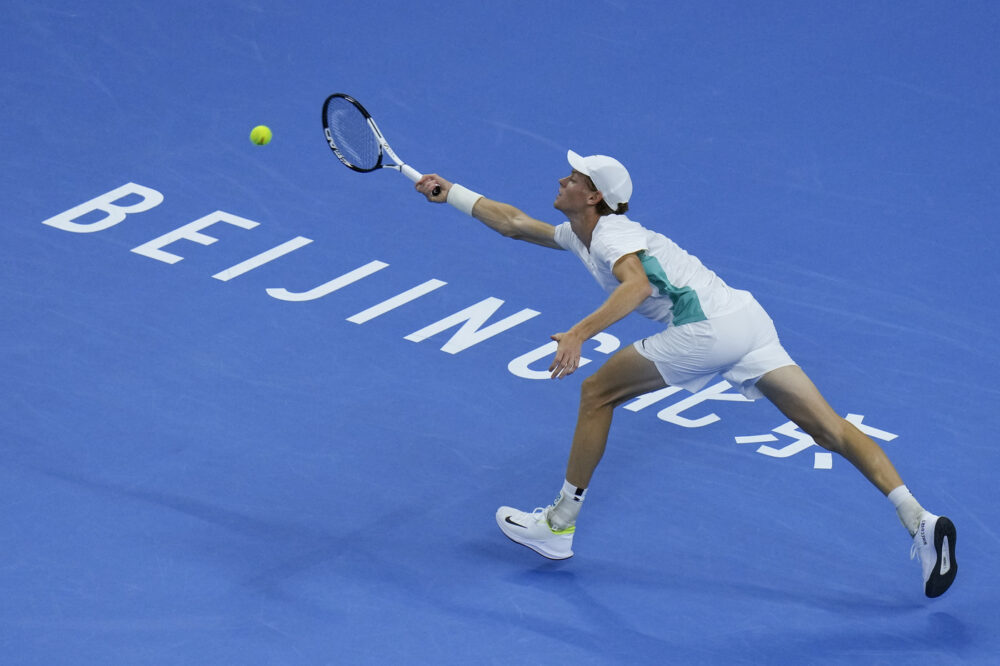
352	135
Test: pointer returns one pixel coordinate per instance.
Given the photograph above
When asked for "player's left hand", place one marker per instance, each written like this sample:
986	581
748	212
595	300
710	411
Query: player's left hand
567	358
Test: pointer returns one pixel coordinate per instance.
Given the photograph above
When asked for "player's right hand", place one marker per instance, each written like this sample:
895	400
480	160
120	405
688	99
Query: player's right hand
427	184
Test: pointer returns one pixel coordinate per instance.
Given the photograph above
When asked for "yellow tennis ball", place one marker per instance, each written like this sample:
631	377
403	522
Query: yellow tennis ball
261	135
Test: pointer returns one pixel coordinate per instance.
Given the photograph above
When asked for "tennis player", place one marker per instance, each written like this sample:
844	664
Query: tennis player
707	329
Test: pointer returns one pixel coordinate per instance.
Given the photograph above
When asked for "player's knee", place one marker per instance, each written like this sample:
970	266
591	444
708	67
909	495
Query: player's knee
832	434
593	394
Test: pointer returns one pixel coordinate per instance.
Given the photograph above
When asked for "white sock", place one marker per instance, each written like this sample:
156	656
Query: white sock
567	507
907	508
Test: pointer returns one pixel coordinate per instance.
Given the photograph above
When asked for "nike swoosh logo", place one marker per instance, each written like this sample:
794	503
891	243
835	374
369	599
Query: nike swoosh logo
945	557
508	520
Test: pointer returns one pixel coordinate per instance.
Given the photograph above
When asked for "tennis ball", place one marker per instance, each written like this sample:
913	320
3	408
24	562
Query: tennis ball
261	135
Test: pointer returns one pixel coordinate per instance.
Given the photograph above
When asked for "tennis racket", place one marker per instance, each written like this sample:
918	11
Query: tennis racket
356	140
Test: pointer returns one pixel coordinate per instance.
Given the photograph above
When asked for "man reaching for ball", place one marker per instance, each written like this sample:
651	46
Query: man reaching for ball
709	328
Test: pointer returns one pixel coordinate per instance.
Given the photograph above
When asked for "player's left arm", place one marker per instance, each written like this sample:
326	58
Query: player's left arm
633	289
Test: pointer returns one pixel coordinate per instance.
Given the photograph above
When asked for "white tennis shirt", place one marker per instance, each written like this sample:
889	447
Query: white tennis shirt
682	290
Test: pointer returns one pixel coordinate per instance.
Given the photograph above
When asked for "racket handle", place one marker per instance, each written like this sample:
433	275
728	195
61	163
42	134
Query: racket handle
415	175
411	173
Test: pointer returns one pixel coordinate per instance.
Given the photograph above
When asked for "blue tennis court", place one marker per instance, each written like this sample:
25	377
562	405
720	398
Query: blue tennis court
260	409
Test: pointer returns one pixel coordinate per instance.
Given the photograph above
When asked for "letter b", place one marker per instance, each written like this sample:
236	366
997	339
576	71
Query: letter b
106	203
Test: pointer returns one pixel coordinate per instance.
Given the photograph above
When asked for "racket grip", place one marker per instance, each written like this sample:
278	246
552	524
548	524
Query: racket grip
411	173
415	175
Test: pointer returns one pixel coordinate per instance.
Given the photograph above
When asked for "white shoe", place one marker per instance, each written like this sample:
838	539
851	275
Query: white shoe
533	530
934	542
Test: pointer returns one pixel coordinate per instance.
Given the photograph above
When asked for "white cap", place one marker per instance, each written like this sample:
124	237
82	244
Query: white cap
608	174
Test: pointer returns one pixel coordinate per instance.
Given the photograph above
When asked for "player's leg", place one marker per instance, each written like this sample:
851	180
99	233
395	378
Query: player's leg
797	397
549	531
623	377
933	536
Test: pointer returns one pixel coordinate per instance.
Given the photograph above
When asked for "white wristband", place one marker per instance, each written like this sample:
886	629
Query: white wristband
463	198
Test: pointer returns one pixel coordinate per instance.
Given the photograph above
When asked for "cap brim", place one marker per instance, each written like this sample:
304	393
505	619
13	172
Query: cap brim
577	162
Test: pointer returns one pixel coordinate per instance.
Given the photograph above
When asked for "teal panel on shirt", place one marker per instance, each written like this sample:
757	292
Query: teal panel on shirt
687	307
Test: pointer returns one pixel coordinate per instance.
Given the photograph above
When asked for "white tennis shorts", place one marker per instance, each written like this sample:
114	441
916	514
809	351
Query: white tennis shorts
741	346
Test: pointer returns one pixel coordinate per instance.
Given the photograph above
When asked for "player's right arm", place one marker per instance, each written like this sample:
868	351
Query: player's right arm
500	217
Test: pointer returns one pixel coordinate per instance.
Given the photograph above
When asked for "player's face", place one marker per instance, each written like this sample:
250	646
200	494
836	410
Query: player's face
575	193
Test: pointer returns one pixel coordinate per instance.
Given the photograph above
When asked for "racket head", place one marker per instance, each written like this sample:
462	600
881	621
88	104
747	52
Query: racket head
350	133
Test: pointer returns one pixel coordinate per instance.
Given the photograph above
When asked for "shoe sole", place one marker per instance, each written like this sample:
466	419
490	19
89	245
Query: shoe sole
938	583
529	544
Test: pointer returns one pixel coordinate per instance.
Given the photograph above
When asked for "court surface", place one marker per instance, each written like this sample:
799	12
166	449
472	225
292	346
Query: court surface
211	459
